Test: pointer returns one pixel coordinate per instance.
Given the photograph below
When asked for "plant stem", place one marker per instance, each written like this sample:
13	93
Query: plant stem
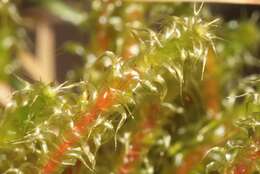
103	102
193	158
134	154
211	86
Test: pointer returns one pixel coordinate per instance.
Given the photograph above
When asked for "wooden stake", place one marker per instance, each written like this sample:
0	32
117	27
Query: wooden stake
5	94
30	64
45	50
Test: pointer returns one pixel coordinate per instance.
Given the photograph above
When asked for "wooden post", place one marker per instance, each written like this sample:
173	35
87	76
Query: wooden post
5	94
45	50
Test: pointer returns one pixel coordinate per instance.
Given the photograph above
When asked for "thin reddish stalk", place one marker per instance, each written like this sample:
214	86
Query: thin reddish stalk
191	160
240	168
211	85
134	154
101	41
103	102
244	167
69	171
212	101
194	157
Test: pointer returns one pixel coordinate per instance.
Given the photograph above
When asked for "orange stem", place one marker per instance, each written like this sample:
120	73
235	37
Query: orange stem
245	168
191	160
102	39
104	101
211	92
134	154
241	168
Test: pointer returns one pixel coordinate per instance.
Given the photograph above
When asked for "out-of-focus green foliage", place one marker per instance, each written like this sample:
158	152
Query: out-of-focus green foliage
9	32
65	12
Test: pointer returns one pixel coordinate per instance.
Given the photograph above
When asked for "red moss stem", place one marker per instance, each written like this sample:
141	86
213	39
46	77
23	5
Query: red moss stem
211	91
193	158
134	154
241	169
103	102
245	167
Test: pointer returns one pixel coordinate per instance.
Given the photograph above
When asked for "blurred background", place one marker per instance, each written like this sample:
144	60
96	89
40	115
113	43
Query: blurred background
66	30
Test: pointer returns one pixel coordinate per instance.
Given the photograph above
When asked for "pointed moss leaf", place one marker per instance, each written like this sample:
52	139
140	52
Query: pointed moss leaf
150	86
13	171
73	160
204	61
91	157
100	120
108	124
214	168
120	124
148	167
217	154
172	107
97	141
125	140
179	77
163	85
